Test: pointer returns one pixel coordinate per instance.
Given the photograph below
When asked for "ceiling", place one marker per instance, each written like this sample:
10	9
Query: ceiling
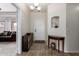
7	7
42	5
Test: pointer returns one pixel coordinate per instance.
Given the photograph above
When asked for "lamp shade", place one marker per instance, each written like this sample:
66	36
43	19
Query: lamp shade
38	8
31	7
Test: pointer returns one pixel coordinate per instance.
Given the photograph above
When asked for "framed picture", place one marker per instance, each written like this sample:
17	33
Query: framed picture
1	23
55	21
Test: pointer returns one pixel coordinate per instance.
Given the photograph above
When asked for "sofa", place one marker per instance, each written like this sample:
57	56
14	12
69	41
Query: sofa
7	36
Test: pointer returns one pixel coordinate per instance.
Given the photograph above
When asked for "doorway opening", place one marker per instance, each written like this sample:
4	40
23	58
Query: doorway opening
8	25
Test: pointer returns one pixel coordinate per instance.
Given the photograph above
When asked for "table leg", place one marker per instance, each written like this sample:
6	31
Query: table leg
63	45
58	45
48	42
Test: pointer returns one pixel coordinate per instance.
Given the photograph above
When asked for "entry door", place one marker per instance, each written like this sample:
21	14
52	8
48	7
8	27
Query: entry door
39	26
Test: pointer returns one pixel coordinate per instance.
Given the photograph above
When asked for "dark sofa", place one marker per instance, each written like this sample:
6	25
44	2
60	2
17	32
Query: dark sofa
7	36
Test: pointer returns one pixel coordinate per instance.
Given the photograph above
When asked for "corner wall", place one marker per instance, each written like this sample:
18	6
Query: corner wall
25	21
25	18
57	9
23	14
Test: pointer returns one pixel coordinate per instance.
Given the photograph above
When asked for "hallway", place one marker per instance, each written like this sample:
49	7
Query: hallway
40	49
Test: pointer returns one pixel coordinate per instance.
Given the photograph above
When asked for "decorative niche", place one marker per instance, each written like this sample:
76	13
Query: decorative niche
55	21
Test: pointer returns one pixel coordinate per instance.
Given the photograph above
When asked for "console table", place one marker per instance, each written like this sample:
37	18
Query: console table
58	38
27	41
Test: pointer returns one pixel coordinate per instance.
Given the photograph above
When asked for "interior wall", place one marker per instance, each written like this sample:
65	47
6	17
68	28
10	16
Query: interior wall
23	15
25	22
57	9
72	25
25	18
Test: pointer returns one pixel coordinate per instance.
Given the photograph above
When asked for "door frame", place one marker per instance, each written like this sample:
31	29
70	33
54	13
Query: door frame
18	30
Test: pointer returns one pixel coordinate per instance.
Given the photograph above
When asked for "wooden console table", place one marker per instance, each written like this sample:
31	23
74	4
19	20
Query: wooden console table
58	38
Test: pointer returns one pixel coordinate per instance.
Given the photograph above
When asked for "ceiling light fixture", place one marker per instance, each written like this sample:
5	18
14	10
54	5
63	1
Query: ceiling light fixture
31	7
35	7
38	8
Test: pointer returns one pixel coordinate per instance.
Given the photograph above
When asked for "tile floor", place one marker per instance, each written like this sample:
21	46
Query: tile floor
40	49
37	49
7	48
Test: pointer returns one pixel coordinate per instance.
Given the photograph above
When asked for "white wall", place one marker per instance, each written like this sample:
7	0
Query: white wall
57	9
23	23
72	27
25	18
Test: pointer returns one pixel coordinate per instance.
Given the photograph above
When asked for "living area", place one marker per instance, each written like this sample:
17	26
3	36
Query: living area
8	27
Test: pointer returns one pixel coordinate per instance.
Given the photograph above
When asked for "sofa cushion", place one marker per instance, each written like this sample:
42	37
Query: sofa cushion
9	33
1	34
5	33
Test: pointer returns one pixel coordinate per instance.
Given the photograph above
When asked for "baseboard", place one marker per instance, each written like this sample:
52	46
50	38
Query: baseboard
39	41
18	52
71	51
